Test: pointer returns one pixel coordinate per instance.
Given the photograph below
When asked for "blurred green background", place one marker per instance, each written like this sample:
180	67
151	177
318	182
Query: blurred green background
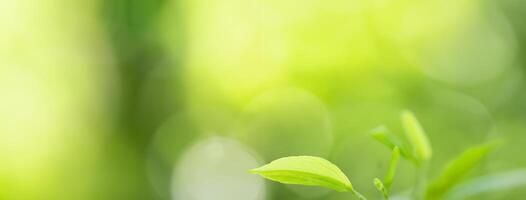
177	99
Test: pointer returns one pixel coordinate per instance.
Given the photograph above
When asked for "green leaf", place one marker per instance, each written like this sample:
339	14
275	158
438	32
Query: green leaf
395	156
384	136
416	136
307	170
458	168
488	184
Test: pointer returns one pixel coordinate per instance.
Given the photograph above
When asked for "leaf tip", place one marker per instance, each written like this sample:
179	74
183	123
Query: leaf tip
254	171
416	135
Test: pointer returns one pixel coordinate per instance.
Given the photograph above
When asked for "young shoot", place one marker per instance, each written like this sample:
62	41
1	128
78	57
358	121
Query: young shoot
316	171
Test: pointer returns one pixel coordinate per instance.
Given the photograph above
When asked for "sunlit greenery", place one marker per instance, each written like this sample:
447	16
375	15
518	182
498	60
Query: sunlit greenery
314	171
177	99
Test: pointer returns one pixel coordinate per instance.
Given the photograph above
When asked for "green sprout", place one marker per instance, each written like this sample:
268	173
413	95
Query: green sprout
385	186
415	148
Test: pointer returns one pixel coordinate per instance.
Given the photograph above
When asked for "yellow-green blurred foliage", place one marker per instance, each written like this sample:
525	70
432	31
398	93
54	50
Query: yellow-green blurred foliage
176	99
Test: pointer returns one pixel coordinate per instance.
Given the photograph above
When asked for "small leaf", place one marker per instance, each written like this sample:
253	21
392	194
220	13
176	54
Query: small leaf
380	187
416	136
384	136
391	171
487	184
305	170
459	167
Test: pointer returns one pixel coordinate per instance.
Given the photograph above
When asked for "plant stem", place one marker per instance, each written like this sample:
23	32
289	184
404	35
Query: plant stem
358	195
391	171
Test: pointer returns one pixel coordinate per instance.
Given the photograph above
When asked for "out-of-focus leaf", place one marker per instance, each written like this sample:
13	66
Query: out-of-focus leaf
458	168
488	184
384	136
305	170
416	136
380	187
395	156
